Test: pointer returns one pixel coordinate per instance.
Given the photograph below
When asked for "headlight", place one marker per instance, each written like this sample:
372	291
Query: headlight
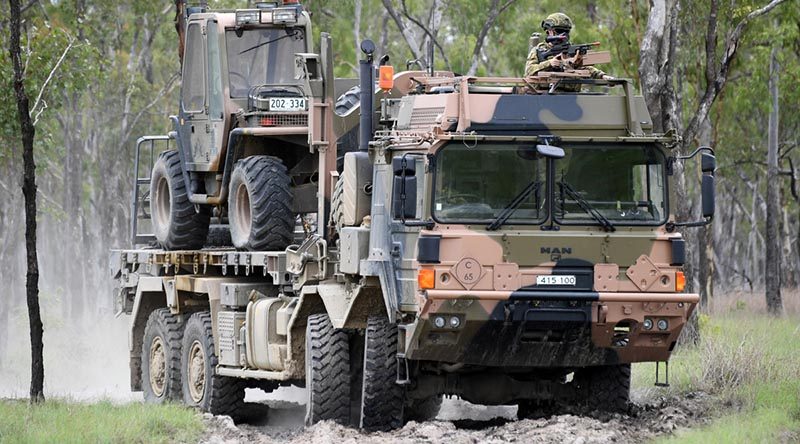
247	17
283	16
455	322
647	324
438	322
663	324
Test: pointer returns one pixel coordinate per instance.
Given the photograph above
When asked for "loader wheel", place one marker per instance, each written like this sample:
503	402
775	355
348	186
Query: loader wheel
176	224
382	399
202	387
422	409
260	204
605	388
161	357
348	100
327	372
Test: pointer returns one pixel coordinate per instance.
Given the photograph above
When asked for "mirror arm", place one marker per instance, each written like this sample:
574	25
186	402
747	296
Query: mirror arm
671	226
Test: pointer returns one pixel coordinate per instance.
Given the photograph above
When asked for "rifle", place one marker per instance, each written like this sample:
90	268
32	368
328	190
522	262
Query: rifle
561	46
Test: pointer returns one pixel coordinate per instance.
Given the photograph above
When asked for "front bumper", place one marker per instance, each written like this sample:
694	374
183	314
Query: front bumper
547	328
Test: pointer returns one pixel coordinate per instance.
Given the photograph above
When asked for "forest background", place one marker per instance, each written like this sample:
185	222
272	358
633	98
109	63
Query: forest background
101	73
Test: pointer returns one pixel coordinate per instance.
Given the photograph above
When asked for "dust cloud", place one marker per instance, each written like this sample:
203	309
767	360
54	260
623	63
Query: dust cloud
85	359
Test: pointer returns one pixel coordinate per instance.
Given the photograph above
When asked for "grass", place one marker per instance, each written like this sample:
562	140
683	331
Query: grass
104	422
746	360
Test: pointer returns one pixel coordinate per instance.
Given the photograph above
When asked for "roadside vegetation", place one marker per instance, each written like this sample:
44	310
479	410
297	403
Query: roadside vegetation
750	364
67	422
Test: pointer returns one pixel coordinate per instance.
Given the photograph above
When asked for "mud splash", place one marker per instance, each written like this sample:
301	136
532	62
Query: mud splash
461	422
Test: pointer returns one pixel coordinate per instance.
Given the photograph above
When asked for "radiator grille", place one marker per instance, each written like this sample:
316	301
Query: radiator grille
283	119
422	118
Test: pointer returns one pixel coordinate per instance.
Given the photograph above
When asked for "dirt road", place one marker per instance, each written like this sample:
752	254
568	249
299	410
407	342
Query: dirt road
460	422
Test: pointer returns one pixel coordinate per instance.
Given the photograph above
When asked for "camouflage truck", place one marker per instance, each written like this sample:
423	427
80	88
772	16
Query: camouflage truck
495	239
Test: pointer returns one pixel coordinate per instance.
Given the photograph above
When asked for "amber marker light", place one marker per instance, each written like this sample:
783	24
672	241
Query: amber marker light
386	77
425	278
680	281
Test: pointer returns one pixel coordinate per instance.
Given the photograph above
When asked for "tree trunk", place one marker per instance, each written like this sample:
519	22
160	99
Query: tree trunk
29	192
773	237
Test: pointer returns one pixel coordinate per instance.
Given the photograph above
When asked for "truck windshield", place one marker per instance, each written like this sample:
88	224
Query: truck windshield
621	183
261	56
489	183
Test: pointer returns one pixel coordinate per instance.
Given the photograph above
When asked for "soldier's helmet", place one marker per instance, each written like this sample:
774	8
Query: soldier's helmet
559	22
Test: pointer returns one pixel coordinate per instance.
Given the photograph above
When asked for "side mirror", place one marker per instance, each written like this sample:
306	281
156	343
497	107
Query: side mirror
708	164
708	196
404	188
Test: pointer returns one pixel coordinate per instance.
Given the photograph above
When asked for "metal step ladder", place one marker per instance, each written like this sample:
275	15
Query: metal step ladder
152	146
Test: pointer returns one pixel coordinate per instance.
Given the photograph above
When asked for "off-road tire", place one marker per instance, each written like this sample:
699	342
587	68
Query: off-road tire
422	409
176	223
605	388
220	395
382	399
163	334
327	372
347	101
260	204
337	207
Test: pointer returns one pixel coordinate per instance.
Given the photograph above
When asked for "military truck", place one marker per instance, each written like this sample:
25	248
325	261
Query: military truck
496	239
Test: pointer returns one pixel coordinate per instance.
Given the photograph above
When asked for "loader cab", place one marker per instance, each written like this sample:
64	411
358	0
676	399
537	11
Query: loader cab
228	56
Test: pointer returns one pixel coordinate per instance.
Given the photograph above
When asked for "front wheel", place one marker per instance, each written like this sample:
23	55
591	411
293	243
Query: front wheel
202	387
327	371
260	204
605	388
382	399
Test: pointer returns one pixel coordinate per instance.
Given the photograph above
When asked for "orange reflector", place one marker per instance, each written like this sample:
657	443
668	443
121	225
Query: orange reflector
426	279
680	281
386	77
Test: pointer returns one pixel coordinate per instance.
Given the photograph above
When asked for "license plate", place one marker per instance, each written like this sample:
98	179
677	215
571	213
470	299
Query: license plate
561	279
287	104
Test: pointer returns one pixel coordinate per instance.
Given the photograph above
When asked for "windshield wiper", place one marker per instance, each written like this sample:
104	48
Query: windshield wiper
289	33
585	206
512	206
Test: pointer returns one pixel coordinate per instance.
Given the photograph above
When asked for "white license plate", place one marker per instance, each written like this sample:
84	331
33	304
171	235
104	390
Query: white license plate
562	279
287	104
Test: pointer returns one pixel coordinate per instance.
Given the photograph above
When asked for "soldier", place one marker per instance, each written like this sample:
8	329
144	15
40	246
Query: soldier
557	24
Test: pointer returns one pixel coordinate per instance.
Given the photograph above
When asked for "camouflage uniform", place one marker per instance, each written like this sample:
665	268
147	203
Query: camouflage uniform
533	65
562	24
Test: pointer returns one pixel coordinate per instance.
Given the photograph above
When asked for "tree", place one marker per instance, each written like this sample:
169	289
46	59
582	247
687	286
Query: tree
28	133
658	65
774	250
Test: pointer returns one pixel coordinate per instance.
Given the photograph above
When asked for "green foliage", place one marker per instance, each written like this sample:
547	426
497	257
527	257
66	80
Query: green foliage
743	359
66	422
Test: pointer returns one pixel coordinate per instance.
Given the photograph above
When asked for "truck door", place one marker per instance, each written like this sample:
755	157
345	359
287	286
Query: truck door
216	103
195	125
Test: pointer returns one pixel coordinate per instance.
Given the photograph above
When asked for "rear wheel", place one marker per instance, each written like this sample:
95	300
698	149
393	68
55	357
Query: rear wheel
327	371
161	357
605	388
382	399
176	224
260	204
202	387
